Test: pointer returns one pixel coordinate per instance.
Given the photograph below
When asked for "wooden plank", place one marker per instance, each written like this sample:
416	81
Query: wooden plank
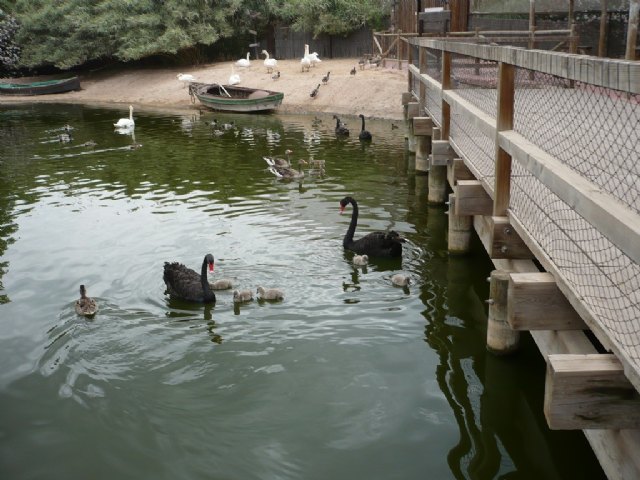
614	220
472	199
505	241
589	392
536	303
422	126
457	170
568	67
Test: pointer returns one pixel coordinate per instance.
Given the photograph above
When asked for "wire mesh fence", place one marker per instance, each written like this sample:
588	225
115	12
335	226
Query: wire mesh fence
592	130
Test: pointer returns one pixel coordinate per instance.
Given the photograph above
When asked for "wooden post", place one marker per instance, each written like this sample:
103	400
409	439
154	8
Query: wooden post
501	339
409	62
632	29
437	184
506	93
412	110
604	28
532	23
446	85
459	236
422	65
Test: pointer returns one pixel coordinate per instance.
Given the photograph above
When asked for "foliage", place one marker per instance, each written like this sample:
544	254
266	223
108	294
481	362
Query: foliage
9	51
333	17
74	32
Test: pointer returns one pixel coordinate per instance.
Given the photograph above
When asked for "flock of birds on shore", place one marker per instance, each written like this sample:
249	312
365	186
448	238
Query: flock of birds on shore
186	284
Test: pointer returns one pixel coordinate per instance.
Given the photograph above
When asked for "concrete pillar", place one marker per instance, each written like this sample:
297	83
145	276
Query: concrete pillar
501	339
423	150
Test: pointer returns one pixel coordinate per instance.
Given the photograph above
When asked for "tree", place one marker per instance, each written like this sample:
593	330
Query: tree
9	51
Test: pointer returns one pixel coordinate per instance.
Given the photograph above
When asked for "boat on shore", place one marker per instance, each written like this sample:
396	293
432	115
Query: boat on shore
231	98
42	87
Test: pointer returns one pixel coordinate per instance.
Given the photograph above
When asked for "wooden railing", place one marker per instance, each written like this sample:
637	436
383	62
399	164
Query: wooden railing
553	142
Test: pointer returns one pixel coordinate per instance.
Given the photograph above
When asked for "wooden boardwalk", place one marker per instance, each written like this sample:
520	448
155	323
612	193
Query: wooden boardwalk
542	151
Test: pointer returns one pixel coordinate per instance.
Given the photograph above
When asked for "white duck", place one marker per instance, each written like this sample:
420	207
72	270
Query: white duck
234	79
244	62
127	123
270	63
305	63
185	78
314	59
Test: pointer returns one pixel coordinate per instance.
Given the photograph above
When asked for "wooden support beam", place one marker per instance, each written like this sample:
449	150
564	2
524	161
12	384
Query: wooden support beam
505	241
536	303
504	121
442	153
422	126
589	392
406	97
413	110
457	170
472	199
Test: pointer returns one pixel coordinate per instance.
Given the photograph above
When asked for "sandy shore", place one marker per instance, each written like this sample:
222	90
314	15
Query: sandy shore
375	92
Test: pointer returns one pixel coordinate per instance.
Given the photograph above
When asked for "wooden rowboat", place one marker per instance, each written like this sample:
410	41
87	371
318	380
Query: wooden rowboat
230	98
42	87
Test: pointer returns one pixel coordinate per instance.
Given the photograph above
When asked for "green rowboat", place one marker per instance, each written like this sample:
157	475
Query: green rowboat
43	87
230	98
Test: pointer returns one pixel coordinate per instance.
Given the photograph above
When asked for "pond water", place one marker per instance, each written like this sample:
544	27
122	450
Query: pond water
348	377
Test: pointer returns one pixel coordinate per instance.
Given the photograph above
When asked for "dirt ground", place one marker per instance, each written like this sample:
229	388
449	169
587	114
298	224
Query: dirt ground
373	91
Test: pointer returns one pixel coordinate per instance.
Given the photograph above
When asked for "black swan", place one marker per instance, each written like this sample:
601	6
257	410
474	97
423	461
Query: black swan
84	305
341	128
375	244
364	134
184	283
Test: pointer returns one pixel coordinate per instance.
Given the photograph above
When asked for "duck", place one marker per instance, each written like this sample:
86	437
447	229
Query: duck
314	58
270	293
84	305
374	244
234	79
360	259
244	62
325	79
353	71
240	296
64	138
270	63
314	92
126	122
184	283
185	78
279	162
222	284
288	173
305	62
364	134
341	129
276	75
400	280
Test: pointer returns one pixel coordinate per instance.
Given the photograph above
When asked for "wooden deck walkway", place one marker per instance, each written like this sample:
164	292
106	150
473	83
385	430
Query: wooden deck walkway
550	144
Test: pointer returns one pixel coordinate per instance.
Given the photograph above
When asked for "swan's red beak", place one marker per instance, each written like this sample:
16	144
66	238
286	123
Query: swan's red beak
211	267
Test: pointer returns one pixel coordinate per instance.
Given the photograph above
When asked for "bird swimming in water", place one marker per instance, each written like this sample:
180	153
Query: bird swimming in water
84	305
270	293
184	283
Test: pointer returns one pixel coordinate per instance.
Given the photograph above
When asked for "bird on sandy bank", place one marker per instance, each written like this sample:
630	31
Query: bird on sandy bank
314	92
185	78
325	79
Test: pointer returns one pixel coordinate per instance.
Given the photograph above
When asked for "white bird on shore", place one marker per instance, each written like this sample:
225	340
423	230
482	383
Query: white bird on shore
305	63
244	62
185	78
234	79
314	58
270	63
127	123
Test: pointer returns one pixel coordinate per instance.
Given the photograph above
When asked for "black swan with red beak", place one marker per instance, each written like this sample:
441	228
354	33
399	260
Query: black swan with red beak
184	283
374	244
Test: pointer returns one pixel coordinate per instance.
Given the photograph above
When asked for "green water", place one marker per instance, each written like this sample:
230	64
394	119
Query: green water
348	378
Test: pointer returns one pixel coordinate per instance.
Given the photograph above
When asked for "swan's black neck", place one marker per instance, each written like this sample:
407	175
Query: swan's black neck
348	237
362	117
